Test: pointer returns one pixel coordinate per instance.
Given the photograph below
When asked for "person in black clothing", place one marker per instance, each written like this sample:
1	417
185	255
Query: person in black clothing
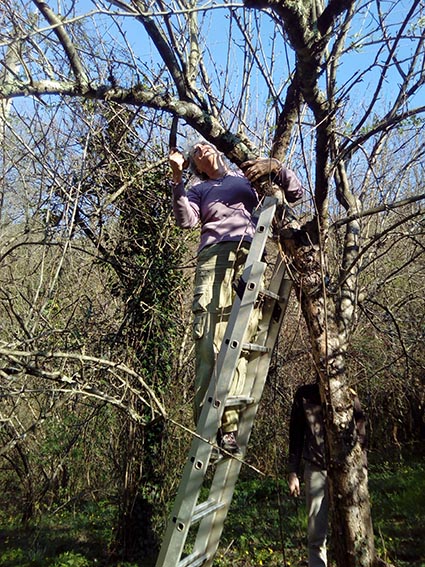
307	442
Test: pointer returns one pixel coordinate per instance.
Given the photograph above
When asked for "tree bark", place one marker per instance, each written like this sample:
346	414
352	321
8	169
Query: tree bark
351	522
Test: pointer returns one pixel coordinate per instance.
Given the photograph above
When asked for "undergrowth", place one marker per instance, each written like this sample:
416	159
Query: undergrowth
264	527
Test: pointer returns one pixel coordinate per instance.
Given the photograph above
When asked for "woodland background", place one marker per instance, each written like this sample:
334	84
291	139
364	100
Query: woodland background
96	365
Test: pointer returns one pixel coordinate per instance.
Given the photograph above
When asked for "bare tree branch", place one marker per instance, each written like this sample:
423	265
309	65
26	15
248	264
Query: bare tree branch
380	209
67	44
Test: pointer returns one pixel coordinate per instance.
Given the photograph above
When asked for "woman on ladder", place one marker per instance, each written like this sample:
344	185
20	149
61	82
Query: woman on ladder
222	201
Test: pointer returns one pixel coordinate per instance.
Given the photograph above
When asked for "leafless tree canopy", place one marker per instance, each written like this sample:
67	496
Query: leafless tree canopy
88	90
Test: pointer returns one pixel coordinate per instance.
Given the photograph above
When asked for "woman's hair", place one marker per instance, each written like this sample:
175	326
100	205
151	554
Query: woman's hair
192	166
189	154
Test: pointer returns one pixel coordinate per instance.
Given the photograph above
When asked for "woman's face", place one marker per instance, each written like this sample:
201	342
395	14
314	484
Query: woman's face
205	157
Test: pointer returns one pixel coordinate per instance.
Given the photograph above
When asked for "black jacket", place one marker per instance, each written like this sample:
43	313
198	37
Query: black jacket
306	428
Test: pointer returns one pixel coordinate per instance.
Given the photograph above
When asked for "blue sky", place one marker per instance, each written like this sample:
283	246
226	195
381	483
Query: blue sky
353	65
362	65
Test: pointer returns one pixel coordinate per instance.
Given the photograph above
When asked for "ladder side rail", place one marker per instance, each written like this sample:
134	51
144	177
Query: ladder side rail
211	414
178	524
263	230
211	527
233	341
209	421
224	481
273	315
261	365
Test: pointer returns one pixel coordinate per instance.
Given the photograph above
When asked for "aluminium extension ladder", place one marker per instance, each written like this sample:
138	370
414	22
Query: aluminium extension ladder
211	513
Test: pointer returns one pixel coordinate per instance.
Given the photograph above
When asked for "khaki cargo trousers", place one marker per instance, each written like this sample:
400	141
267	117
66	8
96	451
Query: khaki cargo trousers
218	267
316	492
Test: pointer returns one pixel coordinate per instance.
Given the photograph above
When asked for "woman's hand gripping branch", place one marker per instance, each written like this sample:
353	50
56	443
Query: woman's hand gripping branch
177	163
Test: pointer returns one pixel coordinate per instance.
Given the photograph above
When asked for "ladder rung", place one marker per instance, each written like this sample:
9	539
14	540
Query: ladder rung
193	560
233	401
204	509
271	294
255	347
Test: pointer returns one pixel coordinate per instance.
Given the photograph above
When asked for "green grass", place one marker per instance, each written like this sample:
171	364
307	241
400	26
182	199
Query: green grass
68	538
264	527
398	509
257	532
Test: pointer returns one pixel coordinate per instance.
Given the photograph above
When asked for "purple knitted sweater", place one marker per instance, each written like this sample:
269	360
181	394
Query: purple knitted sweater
224	206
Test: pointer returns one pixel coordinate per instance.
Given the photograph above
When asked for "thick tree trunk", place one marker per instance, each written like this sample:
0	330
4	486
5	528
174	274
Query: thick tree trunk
351	530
